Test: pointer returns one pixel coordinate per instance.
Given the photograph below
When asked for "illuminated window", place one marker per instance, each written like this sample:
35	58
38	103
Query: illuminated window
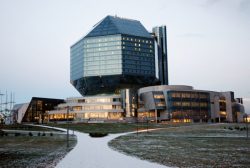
176	95
186	104
77	108
177	103
203	96
158	96
223	113
203	104
194	104
160	104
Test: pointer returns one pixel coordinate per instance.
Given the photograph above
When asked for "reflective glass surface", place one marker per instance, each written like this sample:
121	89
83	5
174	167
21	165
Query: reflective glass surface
138	55
102	56
118	53
76	60
116	25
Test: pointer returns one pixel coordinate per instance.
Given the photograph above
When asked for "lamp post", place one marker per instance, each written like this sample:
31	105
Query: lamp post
156	118
145	119
67	126
137	125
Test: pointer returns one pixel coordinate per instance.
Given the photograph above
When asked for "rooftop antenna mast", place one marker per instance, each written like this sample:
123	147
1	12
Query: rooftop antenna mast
6	104
1	102
12	102
6	107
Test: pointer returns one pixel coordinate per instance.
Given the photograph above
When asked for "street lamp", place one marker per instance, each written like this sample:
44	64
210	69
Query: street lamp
156	117
67	126
137	120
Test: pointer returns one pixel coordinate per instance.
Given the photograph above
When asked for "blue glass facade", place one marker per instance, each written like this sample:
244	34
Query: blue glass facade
102	56
118	53
138	56
76	60
115	25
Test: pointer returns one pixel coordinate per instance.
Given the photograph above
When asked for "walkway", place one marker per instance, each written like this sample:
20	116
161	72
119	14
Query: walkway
95	153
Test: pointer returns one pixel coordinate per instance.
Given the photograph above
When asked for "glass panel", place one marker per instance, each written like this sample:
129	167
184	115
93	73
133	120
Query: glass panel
103	56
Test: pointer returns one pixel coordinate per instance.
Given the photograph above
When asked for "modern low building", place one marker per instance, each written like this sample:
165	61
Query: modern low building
36	111
180	103
1	119
176	103
113	107
105	107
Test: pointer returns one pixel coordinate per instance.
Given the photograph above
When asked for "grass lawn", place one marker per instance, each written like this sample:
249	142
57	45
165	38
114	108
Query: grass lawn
110	127
219	145
25	127
33	152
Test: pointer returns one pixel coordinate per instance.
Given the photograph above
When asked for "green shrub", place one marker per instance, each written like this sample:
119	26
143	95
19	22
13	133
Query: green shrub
1	133
237	127
230	128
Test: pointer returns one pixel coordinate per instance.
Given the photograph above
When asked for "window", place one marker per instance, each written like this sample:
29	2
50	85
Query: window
177	103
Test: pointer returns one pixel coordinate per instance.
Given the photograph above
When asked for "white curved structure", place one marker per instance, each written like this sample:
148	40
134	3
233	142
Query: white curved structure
181	103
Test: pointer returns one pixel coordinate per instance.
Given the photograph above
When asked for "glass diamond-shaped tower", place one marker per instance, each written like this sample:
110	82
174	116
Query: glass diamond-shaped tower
116	54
